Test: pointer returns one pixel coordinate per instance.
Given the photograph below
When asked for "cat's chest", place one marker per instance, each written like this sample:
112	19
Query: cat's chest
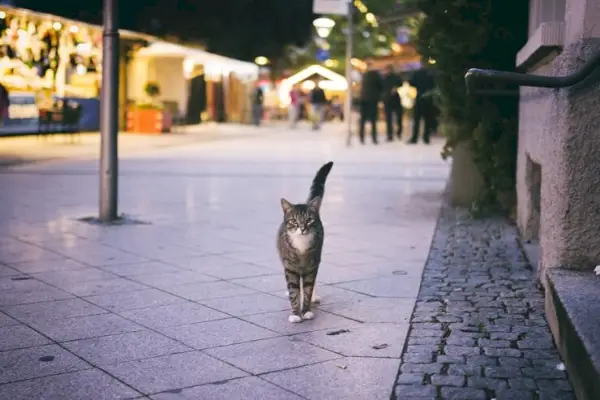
300	242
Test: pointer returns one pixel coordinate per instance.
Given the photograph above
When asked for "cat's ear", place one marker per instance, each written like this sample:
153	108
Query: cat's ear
286	206
315	204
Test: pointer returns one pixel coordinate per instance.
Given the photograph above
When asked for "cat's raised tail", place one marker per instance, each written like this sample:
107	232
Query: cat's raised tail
317	189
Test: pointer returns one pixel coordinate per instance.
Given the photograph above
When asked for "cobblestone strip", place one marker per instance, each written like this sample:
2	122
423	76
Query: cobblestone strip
479	331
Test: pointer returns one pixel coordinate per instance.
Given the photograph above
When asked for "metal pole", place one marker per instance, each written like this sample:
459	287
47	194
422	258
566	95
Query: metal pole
109	114
348	104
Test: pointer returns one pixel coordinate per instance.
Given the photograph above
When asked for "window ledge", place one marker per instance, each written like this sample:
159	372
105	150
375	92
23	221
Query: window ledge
547	38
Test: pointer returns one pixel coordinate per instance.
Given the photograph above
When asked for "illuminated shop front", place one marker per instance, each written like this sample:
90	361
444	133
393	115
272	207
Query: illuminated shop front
46	60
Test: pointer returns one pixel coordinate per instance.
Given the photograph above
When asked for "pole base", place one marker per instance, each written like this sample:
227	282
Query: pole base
121	220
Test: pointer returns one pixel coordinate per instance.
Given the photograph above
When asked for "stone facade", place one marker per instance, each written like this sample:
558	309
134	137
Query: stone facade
558	174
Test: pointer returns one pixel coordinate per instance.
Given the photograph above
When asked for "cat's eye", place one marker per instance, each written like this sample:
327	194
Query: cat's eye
310	221
292	223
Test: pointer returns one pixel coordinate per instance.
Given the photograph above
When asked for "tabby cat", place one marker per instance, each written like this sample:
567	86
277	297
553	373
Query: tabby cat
299	243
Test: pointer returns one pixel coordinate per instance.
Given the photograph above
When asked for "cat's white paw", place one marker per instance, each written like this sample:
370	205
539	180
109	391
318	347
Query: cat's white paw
294	319
308	315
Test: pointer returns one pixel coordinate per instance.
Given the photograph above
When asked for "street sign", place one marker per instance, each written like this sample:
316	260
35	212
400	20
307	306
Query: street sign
335	7
322	55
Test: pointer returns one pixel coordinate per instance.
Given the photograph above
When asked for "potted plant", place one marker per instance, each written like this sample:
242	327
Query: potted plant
149	117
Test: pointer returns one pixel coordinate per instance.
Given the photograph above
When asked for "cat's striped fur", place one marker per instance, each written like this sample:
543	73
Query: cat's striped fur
300	243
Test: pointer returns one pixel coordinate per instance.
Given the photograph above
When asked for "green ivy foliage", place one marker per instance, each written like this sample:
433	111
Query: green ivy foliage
463	34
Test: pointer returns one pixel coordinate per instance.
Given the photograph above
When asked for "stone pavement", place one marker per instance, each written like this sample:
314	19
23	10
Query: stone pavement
192	304
479	331
31	148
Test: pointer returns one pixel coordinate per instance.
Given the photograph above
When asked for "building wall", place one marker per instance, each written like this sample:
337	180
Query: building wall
559	139
168	72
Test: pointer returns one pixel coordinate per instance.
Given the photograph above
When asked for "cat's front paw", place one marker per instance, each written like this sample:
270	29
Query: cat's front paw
308	315
294	319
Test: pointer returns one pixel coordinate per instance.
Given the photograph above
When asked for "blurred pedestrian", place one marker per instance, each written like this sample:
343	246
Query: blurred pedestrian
391	103
318	101
370	94
294	108
337	108
258	99
423	81
4	104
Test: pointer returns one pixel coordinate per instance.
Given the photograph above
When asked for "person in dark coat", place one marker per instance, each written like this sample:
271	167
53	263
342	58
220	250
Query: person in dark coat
258	98
391	102
370	94
424	108
318	101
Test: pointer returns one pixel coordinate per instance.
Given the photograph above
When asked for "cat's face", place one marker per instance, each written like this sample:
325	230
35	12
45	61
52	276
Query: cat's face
301	219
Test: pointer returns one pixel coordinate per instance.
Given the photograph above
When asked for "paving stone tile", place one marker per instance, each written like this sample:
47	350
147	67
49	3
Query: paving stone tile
415	392
50	310
203	263
175	371
271	355
6	320
162	252
389	286
97	255
371	340
248	304
267	283
369	377
134	299
278	322
396	311
84	327
451	393
93	288
334	274
69	386
173	315
13	292
25	253
35	362
246	388
208	290
510	394
447	380
151	267
67	278
233	271
33	267
410	379
20	336
170	279
8	271
114	349
217	333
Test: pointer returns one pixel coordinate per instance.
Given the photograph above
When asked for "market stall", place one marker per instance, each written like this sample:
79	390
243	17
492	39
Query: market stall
194	84
48	62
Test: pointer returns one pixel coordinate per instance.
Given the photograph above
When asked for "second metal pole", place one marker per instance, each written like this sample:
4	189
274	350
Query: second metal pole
348	104
109	115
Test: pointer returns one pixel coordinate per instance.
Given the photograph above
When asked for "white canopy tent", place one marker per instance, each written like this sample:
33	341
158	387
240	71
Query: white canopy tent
213	64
